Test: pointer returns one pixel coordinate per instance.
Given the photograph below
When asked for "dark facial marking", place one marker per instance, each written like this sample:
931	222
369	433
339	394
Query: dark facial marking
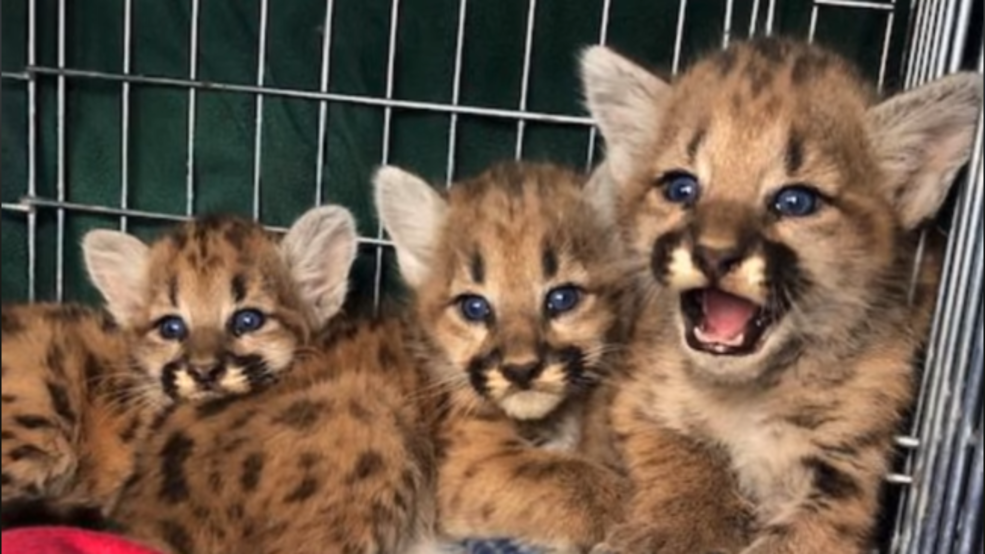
256	370
369	464
61	402
177	537
575	370
8	435
9	399
549	262
252	471
477	267
794	158
661	256
830	482
6	480
478	369
34	422
238	287
174	455
783	274
303	415
169	378
173	290
307	488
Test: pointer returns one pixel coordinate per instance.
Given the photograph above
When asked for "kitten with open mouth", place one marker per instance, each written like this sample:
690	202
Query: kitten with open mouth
718	322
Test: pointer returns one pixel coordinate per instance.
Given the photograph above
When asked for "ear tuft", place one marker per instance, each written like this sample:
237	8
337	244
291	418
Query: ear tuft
117	266
413	213
922	139
627	103
319	250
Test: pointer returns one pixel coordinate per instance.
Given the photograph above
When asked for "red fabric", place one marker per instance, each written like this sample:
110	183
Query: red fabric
53	540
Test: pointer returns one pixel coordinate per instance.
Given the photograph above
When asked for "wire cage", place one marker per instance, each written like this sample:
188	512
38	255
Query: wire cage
133	114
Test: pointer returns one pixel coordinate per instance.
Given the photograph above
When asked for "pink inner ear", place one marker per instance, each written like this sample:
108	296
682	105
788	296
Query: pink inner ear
725	316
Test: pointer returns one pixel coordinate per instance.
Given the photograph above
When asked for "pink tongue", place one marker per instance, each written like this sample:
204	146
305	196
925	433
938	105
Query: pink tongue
726	316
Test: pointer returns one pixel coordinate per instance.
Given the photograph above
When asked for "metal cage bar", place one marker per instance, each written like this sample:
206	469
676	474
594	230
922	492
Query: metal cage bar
942	512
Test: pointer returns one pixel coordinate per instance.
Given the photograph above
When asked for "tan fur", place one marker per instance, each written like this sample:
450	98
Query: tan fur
805	419
203	273
509	465
334	459
70	413
81	387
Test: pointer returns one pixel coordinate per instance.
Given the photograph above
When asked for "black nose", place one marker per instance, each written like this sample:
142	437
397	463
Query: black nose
717	262
207	375
522	375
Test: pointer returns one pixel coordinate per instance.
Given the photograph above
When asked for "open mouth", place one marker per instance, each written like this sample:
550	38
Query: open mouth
724	324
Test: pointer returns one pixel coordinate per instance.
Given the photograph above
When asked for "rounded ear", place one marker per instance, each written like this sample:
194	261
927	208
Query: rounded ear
922	139
626	101
117	266
413	213
319	250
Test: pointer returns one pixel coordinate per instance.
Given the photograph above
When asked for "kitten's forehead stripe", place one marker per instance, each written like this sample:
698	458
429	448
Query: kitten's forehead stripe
173	290
238	287
477	267
794	157
549	262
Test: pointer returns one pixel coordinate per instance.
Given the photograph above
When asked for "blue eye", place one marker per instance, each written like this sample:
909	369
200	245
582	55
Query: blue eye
796	201
172	328
681	188
247	321
475	308
563	299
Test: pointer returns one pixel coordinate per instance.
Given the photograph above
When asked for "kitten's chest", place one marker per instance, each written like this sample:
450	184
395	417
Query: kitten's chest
767	455
561	434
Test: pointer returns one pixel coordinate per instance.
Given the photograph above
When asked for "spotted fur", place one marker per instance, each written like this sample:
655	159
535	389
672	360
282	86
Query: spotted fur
520	293
83	387
334	459
778	341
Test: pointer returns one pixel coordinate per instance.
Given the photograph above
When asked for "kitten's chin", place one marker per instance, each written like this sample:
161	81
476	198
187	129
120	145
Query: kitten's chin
530	405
